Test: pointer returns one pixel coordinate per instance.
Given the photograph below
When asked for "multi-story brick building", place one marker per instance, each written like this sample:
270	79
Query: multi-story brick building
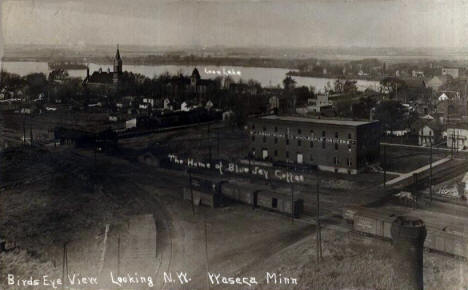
333	145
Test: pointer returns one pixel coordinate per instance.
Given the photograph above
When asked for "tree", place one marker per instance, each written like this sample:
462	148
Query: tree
339	86
343	108
289	83
37	83
361	109
392	85
350	87
391	115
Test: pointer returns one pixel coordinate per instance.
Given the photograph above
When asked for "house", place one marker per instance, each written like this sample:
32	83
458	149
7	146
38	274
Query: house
273	104
465	182
209	105
430	132
457	136
417	74
455	72
414	89
319	103
451	105
149	101
438	81
167	104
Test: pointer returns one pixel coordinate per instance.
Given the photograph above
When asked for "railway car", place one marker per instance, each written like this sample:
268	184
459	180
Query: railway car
373	222
349	212
204	192
279	202
238	192
262	196
446	240
377	222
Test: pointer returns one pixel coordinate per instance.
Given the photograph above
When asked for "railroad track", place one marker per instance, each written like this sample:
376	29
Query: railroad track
441	176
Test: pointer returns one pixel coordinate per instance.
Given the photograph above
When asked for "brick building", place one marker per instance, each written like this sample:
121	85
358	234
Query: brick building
332	145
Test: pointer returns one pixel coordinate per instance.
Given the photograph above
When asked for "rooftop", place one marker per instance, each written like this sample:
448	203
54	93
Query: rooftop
318	121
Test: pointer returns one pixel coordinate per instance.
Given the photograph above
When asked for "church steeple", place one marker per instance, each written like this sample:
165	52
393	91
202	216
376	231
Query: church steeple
117	67
117	54
117	62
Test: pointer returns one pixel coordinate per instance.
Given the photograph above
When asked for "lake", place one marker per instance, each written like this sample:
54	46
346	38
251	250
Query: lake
268	77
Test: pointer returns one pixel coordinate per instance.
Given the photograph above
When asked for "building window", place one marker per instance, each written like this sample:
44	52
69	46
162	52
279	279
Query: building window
287	154
350	136
312	132
299	131
323	133
311	144
299	142
253	138
349	147
276	129
276	153
253	126
323	144
336	146
264	139
287	141
311	157
336	134
276	140
335	160
264	128
348	161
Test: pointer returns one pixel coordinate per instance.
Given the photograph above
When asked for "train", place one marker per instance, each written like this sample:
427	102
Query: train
216	193
377	222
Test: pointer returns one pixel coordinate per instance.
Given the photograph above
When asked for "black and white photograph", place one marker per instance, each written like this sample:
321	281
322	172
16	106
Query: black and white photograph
233	144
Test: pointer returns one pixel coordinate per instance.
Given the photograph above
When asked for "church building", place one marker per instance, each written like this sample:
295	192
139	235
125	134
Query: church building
103	78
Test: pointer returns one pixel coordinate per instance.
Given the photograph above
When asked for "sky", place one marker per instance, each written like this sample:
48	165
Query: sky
237	23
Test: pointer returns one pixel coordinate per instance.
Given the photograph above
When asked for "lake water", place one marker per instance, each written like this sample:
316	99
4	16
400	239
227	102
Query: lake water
268	77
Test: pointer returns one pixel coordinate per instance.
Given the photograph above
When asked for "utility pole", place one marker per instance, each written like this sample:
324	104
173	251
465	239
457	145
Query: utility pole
217	144
191	189
209	142
30	130
453	143
24	128
118	255
384	167
206	252
319	234
64	264
292	202
430	172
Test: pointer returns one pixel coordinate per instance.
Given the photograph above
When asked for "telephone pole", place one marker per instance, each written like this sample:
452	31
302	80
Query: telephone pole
292	202
319	234
191	190
430	172
384	167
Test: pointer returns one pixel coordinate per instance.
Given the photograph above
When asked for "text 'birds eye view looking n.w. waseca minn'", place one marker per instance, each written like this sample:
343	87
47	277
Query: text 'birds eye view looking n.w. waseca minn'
221	144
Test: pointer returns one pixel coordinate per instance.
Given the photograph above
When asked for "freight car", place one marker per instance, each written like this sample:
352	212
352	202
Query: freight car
279	202
263	197
377	222
204	192
215	192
